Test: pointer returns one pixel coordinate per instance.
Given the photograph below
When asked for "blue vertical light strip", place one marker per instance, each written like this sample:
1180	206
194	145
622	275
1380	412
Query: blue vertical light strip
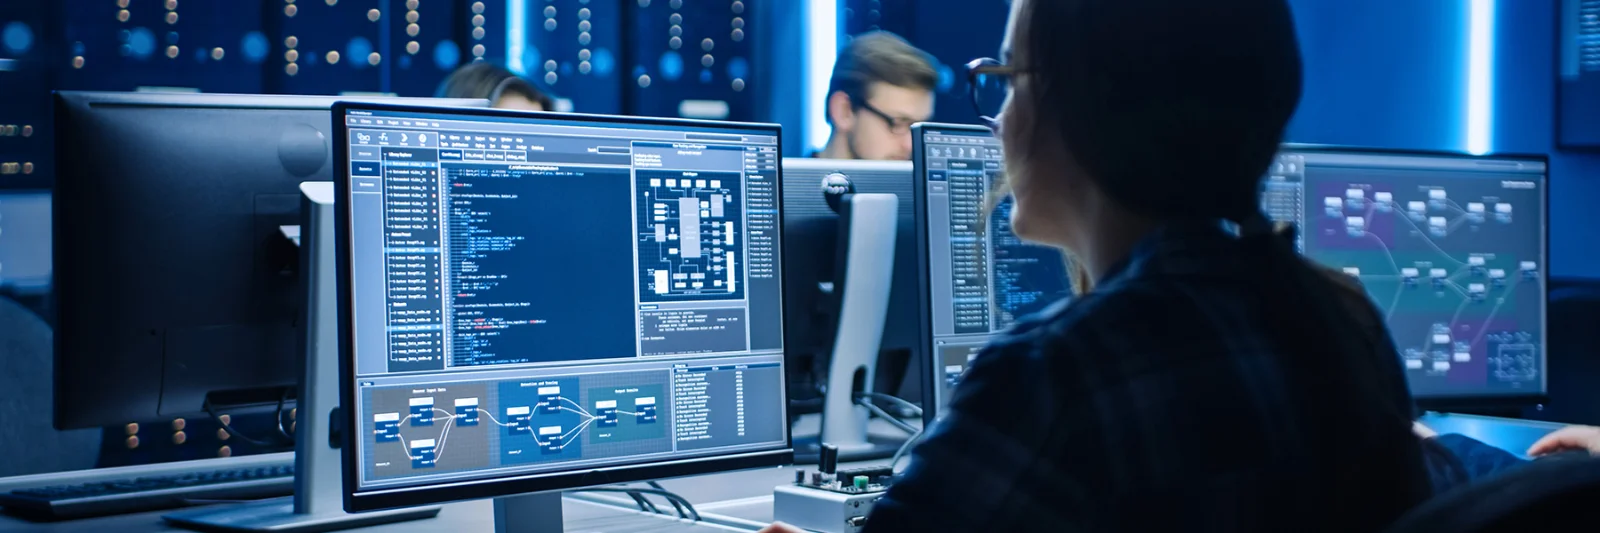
822	47
1480	76
516	35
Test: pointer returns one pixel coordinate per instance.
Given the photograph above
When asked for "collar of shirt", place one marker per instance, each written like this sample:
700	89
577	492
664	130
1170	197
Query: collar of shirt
1175	248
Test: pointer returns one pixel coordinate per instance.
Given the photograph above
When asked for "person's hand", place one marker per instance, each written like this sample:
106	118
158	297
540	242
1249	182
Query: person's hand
780	527
1423	431
1567	439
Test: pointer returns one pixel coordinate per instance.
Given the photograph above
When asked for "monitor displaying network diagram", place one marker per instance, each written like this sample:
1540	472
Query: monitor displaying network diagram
1452	250
535	296
981	277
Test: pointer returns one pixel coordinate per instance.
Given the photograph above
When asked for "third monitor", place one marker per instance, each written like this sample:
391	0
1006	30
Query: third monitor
1451	249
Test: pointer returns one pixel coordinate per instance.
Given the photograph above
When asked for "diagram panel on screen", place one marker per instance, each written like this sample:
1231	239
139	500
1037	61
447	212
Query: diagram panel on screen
1452	251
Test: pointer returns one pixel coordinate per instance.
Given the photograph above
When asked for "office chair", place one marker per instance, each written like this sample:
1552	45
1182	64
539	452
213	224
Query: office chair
1550	494
1574	353
33	446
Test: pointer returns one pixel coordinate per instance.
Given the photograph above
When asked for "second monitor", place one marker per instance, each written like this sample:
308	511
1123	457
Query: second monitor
1451	248
811	304
979	276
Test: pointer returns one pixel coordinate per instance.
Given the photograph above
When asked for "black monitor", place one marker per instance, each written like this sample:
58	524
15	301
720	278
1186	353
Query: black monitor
813	275
979	277
1452	249
174	280
539	301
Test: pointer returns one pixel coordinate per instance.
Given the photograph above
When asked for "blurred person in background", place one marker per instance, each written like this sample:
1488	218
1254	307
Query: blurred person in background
881	86
502	88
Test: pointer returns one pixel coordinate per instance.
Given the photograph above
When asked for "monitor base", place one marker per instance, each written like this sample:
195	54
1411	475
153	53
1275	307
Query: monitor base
528	513
808	452
277	515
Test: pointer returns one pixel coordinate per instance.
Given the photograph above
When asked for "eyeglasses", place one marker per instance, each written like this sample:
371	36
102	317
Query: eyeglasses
897	126
988	84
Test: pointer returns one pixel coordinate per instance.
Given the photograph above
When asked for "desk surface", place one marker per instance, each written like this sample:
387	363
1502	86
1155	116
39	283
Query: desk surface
1514	436
733	501
465	517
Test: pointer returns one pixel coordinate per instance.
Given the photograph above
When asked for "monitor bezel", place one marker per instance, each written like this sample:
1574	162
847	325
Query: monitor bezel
356	499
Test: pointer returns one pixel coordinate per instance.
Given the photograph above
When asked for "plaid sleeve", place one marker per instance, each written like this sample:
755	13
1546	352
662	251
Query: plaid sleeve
983	466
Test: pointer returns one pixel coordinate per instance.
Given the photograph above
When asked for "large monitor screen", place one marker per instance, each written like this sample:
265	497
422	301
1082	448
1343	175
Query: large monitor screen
980	276
1451	249
534	296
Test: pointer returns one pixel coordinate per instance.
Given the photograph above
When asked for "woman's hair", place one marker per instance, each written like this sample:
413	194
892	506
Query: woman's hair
1175	108
1176	115
489	81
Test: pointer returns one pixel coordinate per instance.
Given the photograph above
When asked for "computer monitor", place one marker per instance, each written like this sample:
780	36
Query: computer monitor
173	278
978	276
536	301
811	225
1451	248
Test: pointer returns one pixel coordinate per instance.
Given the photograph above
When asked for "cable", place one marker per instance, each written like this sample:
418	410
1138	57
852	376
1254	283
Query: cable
910	442
674	503
212	411
278	415
645	504
880	413
917	411
669	495
632	490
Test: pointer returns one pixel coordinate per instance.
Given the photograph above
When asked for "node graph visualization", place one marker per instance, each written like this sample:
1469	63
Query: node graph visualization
690	239
570	418
437	428
1453	261
474	425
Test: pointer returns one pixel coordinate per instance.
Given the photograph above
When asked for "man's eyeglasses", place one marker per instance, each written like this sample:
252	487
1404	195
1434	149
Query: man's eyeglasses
897	126
988	84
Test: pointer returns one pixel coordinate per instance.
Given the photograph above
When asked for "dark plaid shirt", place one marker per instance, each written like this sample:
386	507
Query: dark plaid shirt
1190	391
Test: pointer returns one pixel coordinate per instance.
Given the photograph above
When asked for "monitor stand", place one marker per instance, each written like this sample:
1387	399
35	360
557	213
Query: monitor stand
867	223
528	513
317	504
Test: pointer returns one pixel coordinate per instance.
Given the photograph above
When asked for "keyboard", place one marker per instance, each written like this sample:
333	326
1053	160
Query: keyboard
148	488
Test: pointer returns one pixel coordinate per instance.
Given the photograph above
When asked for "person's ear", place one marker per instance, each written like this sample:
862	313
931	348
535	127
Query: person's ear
841	111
